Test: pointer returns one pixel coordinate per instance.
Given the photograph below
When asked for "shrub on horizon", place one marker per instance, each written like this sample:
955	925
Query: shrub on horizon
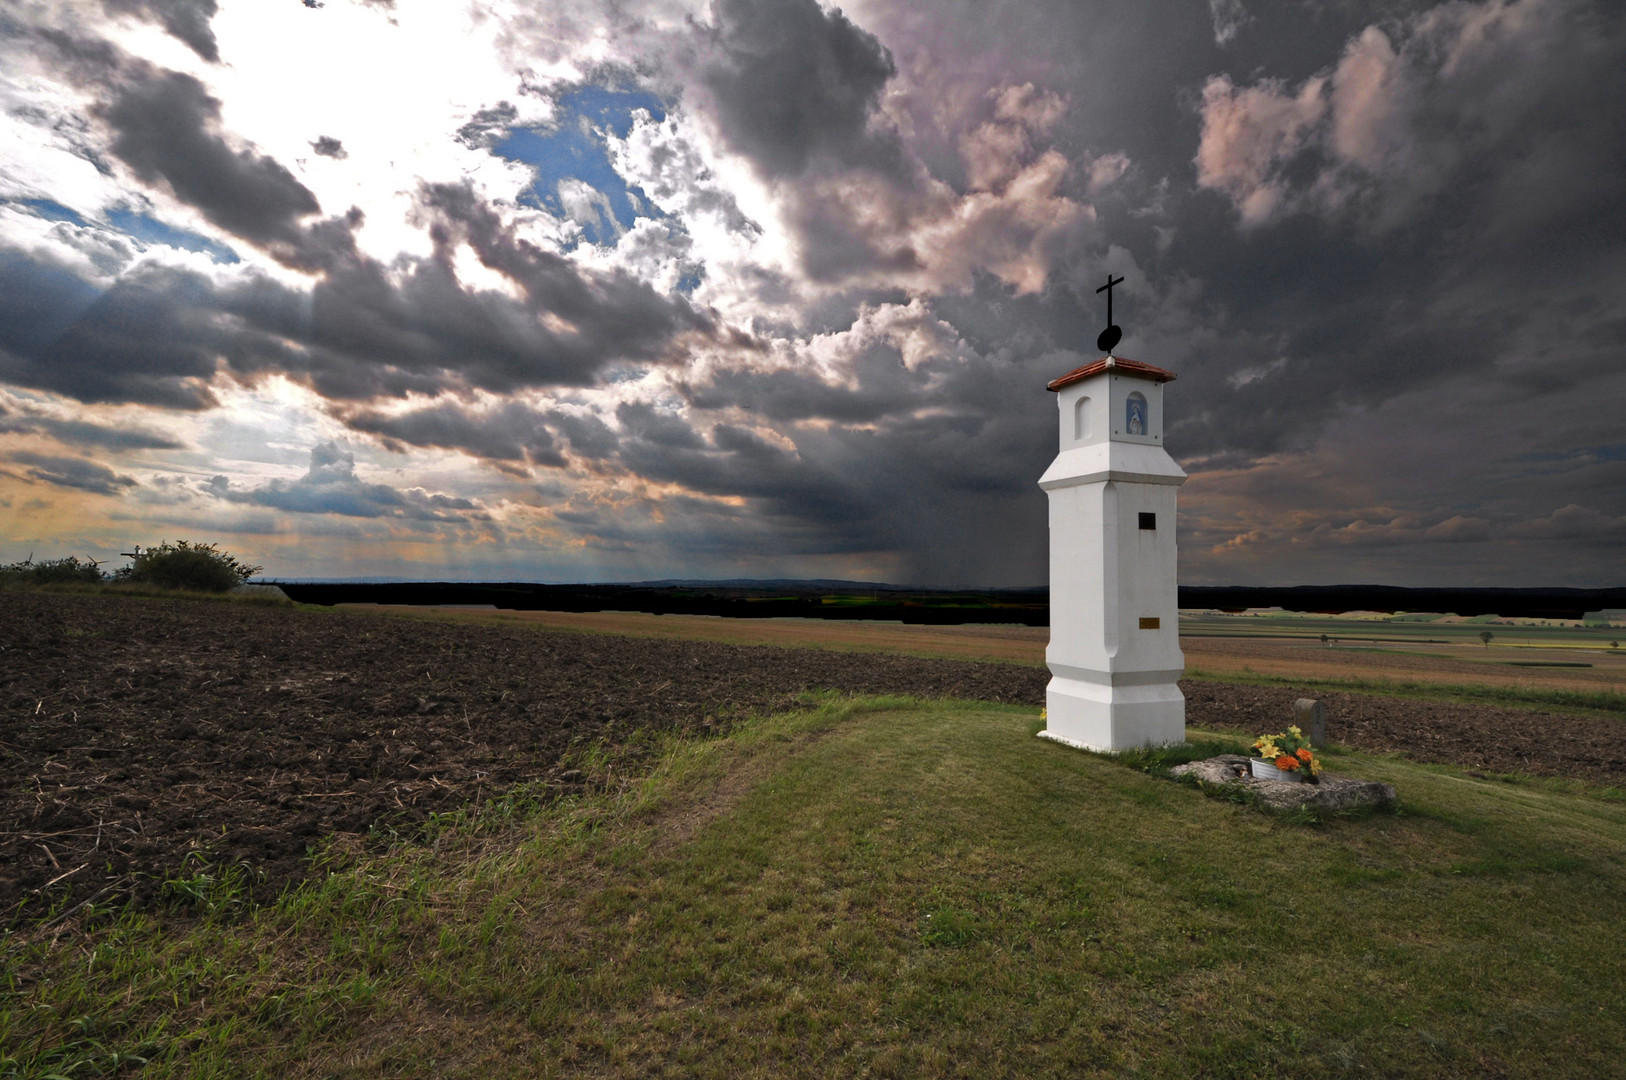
185	565
68	571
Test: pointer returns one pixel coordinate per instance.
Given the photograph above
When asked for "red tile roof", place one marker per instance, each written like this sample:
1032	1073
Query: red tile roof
1119	365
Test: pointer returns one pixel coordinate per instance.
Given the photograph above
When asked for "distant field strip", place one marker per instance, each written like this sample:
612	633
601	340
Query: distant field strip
1010	644
1534	697
1457	671
1597	685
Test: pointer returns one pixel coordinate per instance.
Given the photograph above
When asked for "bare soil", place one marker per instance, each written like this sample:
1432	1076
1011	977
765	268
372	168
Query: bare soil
135	733
1498	666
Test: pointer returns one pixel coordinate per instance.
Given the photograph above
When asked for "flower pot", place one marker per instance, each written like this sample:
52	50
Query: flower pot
1264	770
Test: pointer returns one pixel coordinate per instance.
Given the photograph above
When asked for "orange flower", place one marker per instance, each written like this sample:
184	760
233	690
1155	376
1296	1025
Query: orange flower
1304	755
1286	764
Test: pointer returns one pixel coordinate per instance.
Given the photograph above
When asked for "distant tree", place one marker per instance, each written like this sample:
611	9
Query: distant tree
185	565
1485	636
1324	639
1614	644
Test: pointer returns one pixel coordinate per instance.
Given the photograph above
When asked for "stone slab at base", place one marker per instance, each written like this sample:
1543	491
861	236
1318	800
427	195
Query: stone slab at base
266	592
1112	718
1332	794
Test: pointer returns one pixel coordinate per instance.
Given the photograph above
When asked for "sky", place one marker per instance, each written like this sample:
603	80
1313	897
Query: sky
609	290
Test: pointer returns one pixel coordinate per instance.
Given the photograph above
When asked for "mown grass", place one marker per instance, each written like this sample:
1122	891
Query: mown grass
883	888
1592	701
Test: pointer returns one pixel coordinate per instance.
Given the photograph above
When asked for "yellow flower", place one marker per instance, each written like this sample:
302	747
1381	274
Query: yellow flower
1294	730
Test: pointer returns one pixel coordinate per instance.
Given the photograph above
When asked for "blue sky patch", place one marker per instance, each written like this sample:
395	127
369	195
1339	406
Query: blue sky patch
143	228
574	177
150	230
51	210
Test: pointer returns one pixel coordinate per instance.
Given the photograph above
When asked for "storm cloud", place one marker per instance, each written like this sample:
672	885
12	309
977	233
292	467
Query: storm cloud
796	86
774	289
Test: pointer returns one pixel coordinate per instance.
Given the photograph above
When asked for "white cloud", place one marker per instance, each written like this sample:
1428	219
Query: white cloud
1249	134
1254	372
1372	97
1229	19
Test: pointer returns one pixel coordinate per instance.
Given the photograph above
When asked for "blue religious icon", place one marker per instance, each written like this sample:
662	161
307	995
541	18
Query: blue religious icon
1135	415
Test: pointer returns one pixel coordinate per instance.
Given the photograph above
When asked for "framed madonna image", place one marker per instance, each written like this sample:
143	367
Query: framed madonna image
1135	414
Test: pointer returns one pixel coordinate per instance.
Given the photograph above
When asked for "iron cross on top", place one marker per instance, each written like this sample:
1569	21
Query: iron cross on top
1111	335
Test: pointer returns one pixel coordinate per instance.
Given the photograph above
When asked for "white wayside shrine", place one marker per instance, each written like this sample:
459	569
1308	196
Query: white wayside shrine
1114	650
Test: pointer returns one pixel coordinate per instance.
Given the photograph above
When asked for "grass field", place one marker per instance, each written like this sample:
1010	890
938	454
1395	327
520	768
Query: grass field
885	888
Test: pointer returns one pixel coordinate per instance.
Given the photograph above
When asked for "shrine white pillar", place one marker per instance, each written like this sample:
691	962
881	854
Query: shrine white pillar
1114	653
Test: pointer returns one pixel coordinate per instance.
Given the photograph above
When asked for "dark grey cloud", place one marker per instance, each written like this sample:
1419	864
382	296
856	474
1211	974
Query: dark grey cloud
1439	218
795	89
70	472
795	85
570	323
152	338
657	427
327	146
588	436
330	486
948	507
509	433
160	335
165	128
936	466
84	432
187	20
782	395
489	126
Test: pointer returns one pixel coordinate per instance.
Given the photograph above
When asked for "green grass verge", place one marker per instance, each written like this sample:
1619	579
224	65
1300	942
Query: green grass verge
144	591
884	888
1590	701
